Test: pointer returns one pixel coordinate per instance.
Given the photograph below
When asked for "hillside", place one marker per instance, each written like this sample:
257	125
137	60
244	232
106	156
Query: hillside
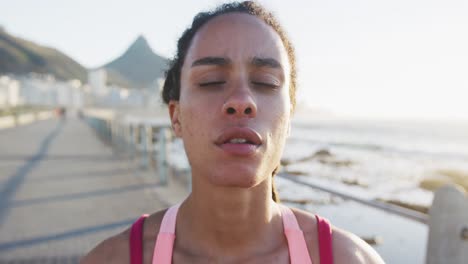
139	66
20	56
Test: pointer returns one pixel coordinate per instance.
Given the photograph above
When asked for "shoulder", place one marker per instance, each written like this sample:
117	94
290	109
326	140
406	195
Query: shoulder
116	249
347	247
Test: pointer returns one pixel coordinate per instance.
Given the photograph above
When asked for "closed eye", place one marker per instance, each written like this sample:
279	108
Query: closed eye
204	84
265	84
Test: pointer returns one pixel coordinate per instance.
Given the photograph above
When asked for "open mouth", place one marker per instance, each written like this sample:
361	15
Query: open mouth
239	140
239	135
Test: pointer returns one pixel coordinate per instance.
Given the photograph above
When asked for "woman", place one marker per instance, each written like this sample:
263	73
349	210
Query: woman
230	92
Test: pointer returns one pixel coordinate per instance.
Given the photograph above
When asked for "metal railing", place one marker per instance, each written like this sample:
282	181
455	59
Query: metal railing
390	208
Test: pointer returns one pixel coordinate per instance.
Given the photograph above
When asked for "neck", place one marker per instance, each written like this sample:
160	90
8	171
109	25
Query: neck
230	221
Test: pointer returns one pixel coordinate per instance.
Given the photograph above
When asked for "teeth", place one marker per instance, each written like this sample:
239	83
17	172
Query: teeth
238	140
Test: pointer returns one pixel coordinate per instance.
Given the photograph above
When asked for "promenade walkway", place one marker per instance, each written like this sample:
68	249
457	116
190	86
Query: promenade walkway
62	190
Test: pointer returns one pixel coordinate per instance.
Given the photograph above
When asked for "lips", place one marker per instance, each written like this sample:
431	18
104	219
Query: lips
239	141
238	134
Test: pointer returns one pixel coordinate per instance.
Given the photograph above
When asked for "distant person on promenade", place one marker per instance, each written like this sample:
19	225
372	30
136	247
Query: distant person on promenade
231	91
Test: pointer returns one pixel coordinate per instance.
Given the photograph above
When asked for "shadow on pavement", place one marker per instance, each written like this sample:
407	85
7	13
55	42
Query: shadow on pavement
88	157
65	235
14	182
82	195
84	175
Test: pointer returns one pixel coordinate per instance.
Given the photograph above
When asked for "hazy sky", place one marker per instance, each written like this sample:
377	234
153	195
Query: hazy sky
371	58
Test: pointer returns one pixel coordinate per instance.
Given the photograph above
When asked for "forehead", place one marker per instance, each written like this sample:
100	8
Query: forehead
239	37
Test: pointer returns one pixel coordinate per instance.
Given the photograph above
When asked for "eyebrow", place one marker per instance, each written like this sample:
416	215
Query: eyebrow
266	62
216	61
221	61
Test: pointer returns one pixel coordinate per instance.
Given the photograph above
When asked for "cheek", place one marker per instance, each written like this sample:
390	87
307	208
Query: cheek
188	121
281	120
278	111
193	122
281	131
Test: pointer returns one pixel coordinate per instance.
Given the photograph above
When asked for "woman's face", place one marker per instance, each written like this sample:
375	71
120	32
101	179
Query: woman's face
234	108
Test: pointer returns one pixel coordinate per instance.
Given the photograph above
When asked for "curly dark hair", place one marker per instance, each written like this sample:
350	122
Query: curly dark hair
171	88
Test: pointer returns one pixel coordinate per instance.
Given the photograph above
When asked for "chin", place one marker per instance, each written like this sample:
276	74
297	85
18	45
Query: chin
239	177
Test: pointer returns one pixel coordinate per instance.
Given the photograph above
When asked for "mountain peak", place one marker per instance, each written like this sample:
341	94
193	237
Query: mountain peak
140	44
139	64
141	38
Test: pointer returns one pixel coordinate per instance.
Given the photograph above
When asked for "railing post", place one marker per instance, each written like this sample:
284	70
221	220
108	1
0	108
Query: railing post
112	132
150	143
107	129
448	227
122	136
144	146
163	138
117	134
98	126
136	138
131	140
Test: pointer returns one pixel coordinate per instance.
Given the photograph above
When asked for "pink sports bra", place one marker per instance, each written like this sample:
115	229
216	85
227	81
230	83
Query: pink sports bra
296	243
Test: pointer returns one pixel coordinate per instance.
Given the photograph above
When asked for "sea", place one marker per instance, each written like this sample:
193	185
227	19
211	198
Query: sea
379	159
371	159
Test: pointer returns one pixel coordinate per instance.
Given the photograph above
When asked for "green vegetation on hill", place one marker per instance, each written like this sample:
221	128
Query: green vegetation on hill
19	56
138	67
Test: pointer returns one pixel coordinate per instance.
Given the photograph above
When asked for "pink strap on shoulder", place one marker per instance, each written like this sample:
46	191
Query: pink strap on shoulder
136	241
325	240
165	241
298	252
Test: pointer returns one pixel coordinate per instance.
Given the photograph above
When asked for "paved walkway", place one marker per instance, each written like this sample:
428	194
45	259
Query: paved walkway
62	190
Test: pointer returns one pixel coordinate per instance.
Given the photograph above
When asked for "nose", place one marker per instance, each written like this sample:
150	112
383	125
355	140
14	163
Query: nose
240	104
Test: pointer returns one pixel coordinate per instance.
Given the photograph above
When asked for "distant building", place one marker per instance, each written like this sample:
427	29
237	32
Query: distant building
40	89
153	100
100	93
69	94
97	80
9	91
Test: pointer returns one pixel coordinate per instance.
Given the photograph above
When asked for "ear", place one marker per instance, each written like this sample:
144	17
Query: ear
174	113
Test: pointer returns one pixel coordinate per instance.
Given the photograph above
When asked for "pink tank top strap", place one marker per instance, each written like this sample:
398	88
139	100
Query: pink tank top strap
165	241
296	243
136	241
325	240
298	252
